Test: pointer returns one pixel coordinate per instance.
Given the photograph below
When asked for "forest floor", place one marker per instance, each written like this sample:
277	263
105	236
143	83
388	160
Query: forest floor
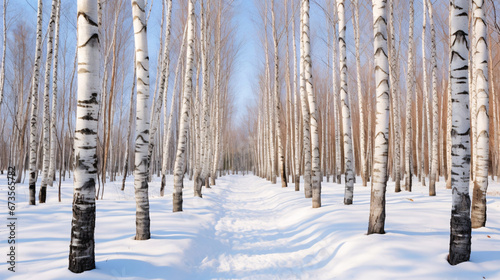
247	228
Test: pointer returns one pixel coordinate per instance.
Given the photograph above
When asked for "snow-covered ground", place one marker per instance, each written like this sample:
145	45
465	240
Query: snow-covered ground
247	228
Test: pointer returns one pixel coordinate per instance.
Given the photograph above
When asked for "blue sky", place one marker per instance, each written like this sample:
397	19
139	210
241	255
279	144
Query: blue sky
245	14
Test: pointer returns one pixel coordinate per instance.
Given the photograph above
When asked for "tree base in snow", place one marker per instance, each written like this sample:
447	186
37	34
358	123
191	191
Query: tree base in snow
177	202
32	193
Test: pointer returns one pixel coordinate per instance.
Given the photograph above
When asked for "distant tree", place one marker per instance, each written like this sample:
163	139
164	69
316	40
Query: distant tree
34	107
346	112
184	117
410	88
4	50
53	118
46	105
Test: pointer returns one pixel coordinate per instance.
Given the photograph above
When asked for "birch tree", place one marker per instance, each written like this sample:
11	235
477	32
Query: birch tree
346	113
425	115
313	112
277	101
305	110
296	108
364	169
379	173
435	119
46	105
481	57
206	147
394	80
53	118
141	166
410	88
184	117
4	50
34	107
168	125
81	254
460	225
129	130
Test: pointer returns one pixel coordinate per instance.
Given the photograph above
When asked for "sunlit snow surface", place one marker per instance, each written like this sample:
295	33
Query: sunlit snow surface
247	228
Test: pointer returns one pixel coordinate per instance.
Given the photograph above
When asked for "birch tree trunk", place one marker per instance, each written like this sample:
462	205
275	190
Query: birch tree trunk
425	109
201	130
305	111
168	125
141	165
34	108
313	112
277	101
46	105
53	121
379	173
478	217
184	118
460	226
435	119
218	96
129	130
4	50
296	109
346	113
362	144
336	113
81	252
410	88
394	80
206	152
164	76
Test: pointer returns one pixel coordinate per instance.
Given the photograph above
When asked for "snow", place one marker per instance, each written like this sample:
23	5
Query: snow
246	228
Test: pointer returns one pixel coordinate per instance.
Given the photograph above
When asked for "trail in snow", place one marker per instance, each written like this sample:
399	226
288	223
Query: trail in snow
246	228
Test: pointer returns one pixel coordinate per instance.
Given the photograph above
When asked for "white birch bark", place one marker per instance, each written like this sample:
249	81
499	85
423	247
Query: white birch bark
410	89
305	111
346	113
277	102
481	57
394	80
4	50
425	109
164	76
296	108
184	118
336	113
362	144
460	226
129	129
206	147
313	112
218	96
435	119
46	105
379	175
34	108
141	165
168	125
81	254
53	119
199	128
